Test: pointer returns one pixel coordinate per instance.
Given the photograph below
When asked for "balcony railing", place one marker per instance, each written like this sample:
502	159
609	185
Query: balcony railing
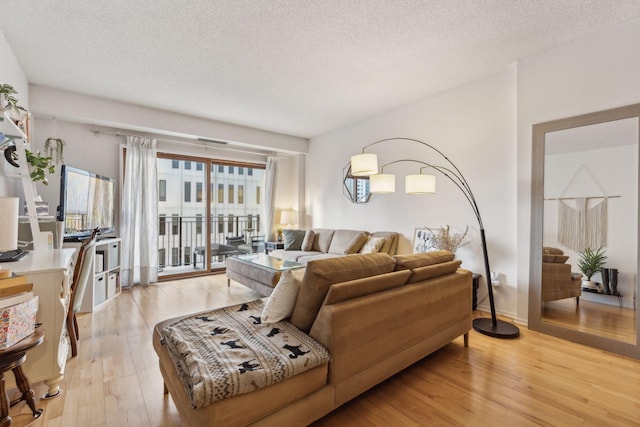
182	240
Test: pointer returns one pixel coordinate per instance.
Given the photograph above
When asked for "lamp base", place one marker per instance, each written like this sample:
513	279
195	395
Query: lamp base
502	329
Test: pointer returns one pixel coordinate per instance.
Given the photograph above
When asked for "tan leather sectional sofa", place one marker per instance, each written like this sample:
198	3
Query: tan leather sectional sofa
374	313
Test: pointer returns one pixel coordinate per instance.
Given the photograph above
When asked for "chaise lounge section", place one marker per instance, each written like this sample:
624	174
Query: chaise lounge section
373	313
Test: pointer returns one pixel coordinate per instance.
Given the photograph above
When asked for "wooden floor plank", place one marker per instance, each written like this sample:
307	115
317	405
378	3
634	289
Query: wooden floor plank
533	380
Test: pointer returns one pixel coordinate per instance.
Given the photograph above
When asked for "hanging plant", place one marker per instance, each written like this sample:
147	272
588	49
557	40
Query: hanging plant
39	165
54	148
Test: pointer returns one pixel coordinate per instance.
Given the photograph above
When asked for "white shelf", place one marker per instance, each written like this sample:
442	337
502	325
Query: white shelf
104	282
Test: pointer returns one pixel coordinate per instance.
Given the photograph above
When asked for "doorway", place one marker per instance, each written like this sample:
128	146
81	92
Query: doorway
208	210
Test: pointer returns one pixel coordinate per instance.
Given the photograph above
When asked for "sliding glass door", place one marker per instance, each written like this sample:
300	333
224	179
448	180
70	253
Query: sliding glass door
208	210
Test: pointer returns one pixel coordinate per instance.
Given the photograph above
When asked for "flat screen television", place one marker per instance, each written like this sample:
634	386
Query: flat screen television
87	201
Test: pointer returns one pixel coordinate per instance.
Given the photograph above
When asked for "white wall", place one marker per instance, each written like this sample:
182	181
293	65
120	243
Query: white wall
593	73
11	73
474	125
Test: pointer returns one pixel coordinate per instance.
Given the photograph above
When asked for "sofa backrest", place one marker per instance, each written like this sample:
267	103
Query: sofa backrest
321	274
345	242
322	239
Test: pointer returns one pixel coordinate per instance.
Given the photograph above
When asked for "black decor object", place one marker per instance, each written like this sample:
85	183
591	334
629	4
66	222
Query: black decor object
604	272
492	327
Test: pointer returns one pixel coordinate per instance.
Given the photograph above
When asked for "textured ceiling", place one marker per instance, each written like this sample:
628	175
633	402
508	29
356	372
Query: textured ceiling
300	67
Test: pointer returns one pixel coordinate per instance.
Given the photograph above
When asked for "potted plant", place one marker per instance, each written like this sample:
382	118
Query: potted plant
590	263
8	101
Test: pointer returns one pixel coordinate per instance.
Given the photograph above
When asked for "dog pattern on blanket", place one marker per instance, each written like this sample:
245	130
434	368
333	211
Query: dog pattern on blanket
228	351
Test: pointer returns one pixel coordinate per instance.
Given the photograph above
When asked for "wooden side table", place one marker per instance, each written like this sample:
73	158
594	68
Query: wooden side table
11	358
272	246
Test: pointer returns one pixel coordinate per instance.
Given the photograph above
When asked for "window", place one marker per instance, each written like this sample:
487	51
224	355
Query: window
175	164
220	223
258	195
199	166
187	191
231	193
187	255
198	192
250	171
240	171
187	164
162	190
198	223
240	194
220	193
175	220
230	169
175	256
220	169
162	228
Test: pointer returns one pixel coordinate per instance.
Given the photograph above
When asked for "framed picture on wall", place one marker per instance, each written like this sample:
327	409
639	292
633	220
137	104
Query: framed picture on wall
423	240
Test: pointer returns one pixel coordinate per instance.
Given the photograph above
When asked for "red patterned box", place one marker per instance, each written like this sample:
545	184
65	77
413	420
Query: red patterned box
17	322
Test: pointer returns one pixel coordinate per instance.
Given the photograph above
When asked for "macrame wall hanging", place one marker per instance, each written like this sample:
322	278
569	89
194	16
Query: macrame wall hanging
581	226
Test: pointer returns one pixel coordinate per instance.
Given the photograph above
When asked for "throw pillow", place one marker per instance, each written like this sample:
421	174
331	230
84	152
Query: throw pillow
280	303
307	242
293	239
373	245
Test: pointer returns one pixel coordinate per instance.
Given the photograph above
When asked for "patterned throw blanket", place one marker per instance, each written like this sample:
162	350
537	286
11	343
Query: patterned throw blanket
228	351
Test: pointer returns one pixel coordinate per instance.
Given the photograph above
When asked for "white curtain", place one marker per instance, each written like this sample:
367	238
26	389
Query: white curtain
269	195
139	213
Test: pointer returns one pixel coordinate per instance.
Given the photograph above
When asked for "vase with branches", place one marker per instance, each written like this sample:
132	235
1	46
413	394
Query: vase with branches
446	239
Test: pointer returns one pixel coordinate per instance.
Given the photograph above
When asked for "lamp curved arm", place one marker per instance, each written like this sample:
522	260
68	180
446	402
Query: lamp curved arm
454	176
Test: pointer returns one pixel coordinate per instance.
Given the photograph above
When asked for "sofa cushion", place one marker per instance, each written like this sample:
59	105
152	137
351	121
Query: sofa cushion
345	242
556	259
280	303
552	251
430	271
293	239
390	241
322	239
320	274
339	292
307	242
372	245
412	261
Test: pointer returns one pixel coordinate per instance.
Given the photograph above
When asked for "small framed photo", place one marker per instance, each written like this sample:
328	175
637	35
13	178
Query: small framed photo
423	240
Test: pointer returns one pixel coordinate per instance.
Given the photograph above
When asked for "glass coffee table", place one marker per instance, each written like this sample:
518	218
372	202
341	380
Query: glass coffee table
271	262
258	271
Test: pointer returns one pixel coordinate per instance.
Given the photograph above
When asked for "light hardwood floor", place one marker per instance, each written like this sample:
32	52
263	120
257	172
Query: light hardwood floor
533	380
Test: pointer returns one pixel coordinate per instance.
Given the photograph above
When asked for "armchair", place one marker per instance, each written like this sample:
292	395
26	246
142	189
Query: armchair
557	280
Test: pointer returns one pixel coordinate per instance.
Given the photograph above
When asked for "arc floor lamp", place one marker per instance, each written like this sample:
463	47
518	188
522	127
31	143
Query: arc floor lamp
366	164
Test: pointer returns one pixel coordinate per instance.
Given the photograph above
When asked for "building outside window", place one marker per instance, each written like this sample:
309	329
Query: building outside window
231	195
162	226
175	164
199	166
187	191
240	194
220	193
187	165
198	192
162	190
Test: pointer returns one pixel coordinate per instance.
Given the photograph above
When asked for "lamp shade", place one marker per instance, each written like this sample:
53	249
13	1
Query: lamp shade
288	217
8	223
364	164
382	183
420	184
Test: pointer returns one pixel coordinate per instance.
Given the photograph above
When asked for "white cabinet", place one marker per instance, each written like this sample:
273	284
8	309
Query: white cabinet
104	283
51	272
